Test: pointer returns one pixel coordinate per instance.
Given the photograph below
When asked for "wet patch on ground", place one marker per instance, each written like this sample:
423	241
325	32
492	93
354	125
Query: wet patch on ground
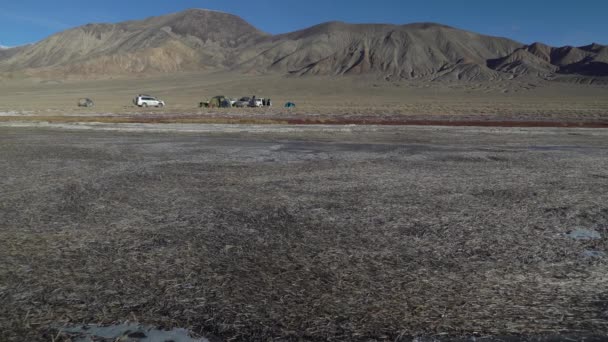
127	333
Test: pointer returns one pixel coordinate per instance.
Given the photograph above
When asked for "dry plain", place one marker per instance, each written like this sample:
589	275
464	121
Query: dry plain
316	98
309	233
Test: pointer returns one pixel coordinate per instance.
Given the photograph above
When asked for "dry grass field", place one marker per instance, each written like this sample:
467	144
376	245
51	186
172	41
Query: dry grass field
315	97
372	234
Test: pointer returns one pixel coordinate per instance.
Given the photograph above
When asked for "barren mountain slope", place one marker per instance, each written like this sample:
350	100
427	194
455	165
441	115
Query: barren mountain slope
591	60
391	51
524	62
193	39
6	53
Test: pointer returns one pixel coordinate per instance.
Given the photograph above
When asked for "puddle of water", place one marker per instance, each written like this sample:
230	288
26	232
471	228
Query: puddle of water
594	254
584	234
128	333
553	148
558	148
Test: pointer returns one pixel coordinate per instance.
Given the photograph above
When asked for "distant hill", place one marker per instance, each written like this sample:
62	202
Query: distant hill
208	40
545	61
6	52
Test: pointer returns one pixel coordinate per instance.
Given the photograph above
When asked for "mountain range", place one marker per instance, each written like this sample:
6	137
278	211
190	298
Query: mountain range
204	40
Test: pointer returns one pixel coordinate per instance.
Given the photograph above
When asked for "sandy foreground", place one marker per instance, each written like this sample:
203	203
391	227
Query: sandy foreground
292	232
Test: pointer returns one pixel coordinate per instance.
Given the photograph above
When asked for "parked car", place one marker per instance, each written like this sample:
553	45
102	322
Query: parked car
255	102
241	104
142	100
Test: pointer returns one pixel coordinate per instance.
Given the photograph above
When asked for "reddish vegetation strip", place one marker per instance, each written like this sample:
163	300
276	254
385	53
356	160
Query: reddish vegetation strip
460	123
384	121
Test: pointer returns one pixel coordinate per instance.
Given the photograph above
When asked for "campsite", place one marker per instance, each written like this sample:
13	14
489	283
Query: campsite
222	101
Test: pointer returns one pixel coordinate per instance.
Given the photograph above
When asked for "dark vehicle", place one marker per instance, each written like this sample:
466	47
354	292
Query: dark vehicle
242	102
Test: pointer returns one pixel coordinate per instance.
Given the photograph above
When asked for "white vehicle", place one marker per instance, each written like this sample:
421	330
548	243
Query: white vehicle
256	103
147	101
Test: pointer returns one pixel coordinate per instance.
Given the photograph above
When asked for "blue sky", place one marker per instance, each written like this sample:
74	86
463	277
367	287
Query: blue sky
552	22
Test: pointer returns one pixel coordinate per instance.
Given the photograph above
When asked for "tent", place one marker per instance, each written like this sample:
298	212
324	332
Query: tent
220	101
226	103
85	102
290	105
215	101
